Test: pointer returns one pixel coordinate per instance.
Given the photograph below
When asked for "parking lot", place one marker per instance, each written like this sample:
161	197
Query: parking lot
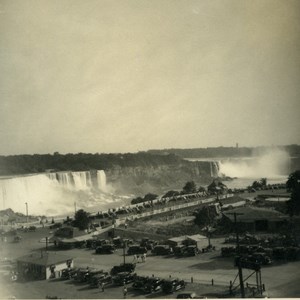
280	279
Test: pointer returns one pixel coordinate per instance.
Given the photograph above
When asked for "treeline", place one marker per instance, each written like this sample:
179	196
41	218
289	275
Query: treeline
37	163
293	150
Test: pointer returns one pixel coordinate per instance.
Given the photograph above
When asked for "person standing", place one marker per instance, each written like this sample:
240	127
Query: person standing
125	291
102	286
134	258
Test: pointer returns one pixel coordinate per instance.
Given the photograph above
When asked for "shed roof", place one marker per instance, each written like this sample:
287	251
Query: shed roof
250	214
44	258
177	239
196	237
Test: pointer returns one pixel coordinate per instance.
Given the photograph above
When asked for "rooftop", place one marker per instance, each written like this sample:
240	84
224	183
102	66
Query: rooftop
44	258
251	213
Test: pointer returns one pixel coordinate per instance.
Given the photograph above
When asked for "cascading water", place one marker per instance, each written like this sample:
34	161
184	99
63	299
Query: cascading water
51	193
214	169
272	164
82	180
101	179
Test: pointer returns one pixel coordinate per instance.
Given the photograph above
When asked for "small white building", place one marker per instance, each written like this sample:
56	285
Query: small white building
43	265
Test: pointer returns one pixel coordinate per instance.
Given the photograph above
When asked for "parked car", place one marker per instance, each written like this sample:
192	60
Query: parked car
179	250
139	282
191	250
161	250
67	273
136	249
99	243
172	285
82	275
123	278
153	285
128	267
105	249
149	244
88	277
103	278
262	258
79	274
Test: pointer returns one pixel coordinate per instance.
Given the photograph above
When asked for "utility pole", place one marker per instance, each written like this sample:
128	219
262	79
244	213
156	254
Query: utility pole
238	253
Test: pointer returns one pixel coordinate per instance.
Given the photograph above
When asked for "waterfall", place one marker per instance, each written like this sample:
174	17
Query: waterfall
82	180
64	179
52	193
270	164
101	179
214	169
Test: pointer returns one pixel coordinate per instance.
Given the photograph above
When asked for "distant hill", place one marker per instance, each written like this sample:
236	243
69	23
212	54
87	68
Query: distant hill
293	150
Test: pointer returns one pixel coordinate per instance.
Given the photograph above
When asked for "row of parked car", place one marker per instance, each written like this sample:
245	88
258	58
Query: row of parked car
261	255
149	285
122	275
108	247
266	241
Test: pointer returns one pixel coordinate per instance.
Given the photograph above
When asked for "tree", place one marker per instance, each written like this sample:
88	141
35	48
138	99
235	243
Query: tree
293	185
171	194
263	182
81	219
206	216
189	188
150	197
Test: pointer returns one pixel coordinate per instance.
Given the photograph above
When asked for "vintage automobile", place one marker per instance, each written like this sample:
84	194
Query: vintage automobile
105	249
136	249
139	282
67	273
191	250
179	250
149	244
128	267
88	277
161	250
103	278
123	278
172	285
153	285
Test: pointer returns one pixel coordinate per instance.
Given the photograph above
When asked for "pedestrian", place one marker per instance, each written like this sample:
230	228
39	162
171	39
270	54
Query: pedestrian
137	258
125	291
145	257
134	258
102	286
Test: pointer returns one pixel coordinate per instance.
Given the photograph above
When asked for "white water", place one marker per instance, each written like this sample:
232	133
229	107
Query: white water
273	165
101	180
53	193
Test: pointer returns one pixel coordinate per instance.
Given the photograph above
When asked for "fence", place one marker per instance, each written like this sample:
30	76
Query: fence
170	208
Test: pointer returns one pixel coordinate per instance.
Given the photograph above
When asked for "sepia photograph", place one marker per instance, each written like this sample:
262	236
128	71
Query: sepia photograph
149	149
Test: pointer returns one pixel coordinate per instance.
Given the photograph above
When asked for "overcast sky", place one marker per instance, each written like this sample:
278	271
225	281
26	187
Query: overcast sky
126	76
